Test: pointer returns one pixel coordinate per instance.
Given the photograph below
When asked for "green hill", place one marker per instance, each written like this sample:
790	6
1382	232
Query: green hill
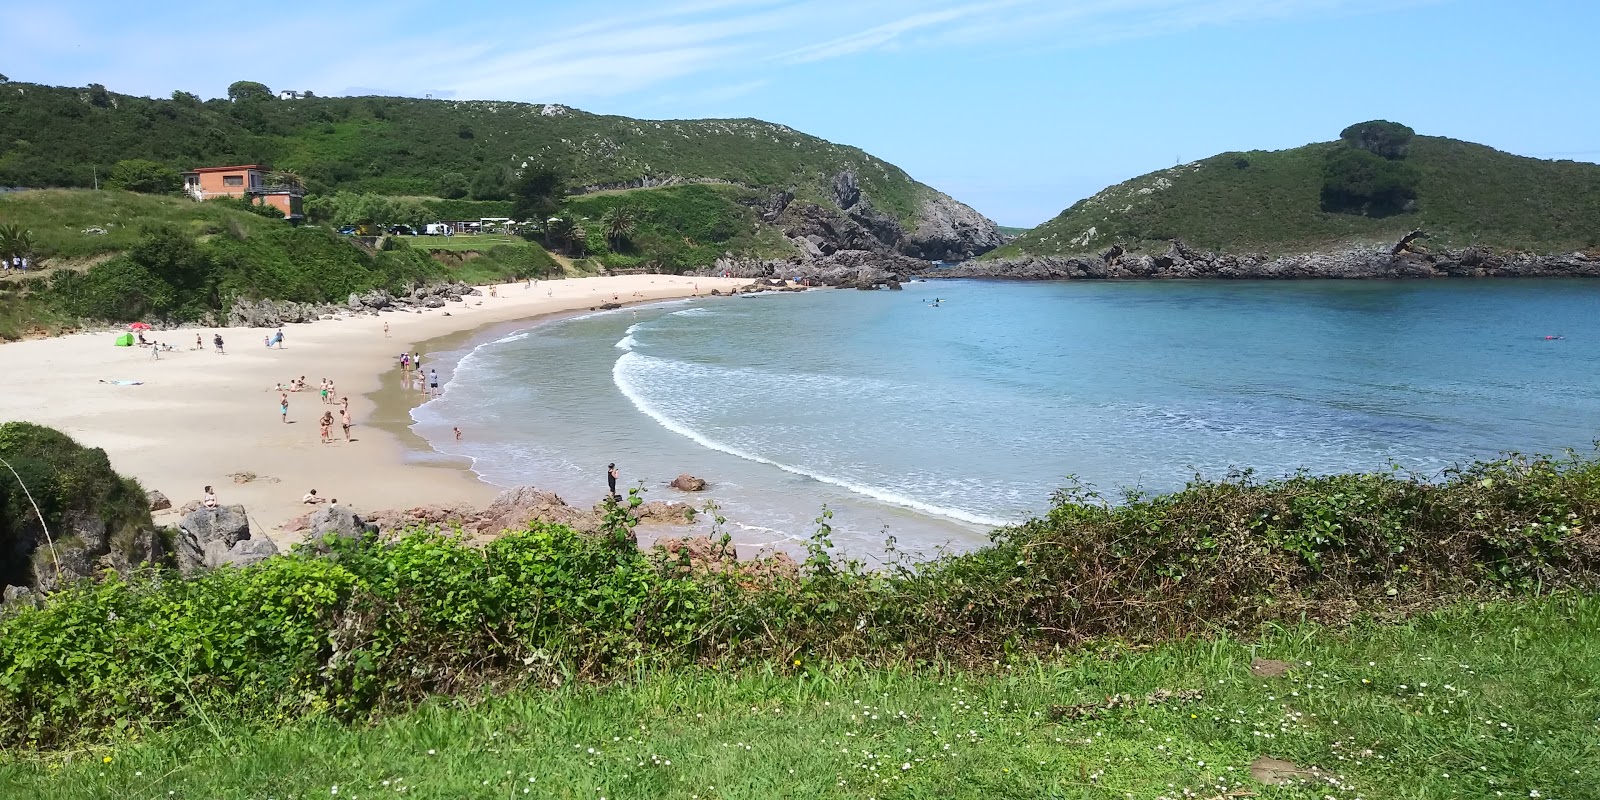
69	137
1275	202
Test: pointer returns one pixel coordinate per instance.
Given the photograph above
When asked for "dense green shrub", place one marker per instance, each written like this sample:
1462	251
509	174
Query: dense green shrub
143	175
1379	137
1356	181
47	468
351	626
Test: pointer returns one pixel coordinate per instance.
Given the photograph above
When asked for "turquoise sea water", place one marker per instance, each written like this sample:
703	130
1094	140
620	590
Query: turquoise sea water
932	424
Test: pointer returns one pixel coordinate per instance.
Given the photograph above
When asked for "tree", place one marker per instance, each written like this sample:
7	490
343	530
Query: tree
452	186
538	194
183	98
1360	182
15	242
618	223
243	91
177	260
567	232
492	183
1379	137
142	175
283	177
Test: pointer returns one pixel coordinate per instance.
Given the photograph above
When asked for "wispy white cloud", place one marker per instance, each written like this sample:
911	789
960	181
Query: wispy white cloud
577	53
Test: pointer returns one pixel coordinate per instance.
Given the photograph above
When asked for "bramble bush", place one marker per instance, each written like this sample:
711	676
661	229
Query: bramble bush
351	626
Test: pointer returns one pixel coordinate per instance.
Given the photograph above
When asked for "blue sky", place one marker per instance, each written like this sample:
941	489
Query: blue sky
1018	107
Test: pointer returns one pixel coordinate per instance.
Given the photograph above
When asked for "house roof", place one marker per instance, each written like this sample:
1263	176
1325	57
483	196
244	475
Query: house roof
228	169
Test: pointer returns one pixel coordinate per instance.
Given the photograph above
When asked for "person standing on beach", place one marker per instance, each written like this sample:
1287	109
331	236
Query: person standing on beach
199	343
326	424
283	407
344	419
433	382
457	431
217	340
611	480
386	329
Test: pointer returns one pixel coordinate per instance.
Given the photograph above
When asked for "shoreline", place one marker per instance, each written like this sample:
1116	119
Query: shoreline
199	417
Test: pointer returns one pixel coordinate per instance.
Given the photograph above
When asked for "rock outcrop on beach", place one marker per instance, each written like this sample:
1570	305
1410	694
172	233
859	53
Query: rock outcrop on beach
688	483
208	538
1405	259
704	553
513	509
854	269
273	313
65	515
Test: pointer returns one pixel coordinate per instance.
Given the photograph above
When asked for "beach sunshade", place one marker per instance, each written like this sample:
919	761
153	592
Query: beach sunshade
139	326
125	340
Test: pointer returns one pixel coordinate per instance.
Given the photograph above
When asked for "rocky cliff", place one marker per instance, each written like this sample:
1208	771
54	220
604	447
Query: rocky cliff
1406	259
945	230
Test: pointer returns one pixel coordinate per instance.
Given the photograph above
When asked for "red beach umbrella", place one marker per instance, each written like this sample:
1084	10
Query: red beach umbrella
139	326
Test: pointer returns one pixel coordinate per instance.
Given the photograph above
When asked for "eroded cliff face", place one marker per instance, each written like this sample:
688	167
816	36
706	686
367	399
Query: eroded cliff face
1404	260
946	230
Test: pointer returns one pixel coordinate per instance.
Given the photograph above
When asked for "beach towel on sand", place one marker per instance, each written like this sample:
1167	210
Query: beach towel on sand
123	383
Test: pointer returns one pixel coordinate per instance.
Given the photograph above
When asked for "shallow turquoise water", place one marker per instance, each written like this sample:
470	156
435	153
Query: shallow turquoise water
933	423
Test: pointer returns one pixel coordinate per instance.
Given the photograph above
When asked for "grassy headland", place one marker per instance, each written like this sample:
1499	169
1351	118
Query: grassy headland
1274	202
60	136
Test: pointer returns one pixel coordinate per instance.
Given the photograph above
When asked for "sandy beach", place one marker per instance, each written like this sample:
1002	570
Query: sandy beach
200	417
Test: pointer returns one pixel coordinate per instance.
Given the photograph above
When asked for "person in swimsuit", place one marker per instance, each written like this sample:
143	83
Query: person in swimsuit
283	406
199	343
327	425
344	419
324	391
458	433
433	381
385	329
217	340
211	499
611	478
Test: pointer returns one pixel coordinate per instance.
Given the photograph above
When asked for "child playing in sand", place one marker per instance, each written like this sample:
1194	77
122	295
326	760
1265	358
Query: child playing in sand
283	407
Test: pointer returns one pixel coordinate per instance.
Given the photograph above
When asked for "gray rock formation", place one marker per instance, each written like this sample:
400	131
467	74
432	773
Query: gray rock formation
212	537
272	313
158	501
1404	260
688	483
844	268
950	231
339	521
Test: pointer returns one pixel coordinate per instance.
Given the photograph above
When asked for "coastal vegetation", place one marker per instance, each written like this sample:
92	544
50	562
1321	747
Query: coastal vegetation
64	136
1374	185
117	256
1491	700
352	626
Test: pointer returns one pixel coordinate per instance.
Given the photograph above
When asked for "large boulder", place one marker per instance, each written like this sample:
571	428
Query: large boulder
339	521
688	483
158	501
212	537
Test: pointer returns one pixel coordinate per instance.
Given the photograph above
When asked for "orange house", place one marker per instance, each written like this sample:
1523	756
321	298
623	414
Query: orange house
250	181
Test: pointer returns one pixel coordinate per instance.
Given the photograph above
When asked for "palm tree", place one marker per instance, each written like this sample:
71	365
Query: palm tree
619	224
565	230
287	178
15	242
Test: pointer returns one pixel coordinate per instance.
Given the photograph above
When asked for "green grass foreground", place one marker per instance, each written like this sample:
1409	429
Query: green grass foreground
1495	700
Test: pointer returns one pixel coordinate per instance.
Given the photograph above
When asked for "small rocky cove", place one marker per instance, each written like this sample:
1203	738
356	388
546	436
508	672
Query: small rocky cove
1407	258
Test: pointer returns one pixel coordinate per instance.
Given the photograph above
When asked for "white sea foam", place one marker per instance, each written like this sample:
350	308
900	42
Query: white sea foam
627	342
694	312
622	375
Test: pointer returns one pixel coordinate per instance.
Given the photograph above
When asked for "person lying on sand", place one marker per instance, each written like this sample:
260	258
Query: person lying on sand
311	498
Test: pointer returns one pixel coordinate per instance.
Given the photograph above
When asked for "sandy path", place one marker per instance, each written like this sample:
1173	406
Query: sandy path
200	416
